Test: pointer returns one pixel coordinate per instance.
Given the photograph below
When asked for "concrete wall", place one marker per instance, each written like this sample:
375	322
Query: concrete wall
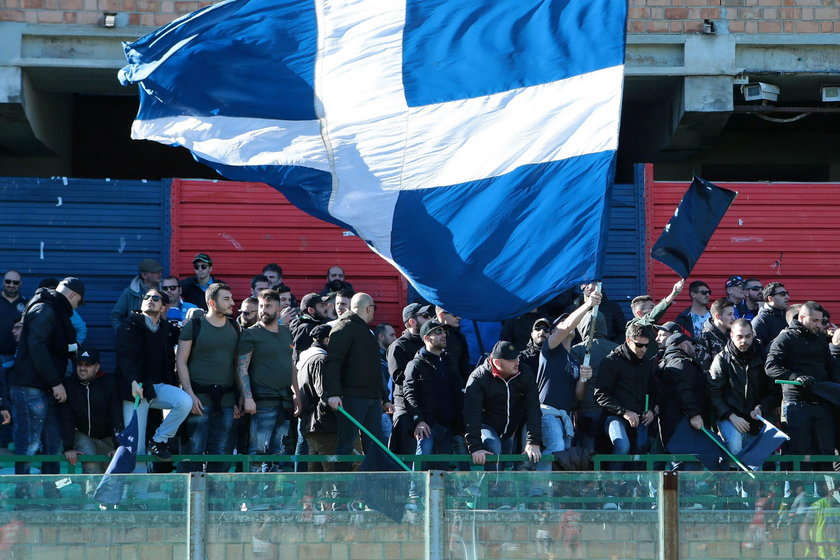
645	16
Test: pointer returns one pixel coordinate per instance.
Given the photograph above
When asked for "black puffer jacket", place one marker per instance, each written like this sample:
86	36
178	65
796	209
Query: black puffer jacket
684	391
432	393
400	352
92	408
45	338
622	382
797	351
301	329
768	324
738	383
504	405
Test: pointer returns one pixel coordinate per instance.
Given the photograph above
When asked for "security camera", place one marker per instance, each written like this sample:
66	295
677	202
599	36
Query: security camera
759	91
830	94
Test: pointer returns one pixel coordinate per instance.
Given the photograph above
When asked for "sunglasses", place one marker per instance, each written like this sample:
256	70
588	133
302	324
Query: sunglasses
170	288
424	315
12	282
201	266
704	292
782	293
154	297
544	329
640	344
755	289
247	313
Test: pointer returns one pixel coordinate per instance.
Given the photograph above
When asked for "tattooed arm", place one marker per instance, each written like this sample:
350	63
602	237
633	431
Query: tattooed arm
244	380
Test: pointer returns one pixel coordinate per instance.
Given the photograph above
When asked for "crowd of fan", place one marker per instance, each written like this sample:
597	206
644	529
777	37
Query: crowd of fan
278	378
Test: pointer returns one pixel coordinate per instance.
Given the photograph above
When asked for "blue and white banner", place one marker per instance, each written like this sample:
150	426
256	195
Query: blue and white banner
469	142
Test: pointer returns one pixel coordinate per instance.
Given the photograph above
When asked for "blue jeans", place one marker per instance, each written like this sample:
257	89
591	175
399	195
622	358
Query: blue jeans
36	427
208	433
496	445
269	428
441	442
616	429
167	397
735	440
588	428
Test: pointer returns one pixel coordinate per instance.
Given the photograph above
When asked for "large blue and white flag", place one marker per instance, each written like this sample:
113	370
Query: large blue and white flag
469	142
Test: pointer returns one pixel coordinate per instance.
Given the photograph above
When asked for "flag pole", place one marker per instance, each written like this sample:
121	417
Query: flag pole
588	356
786	382
725	450
373	438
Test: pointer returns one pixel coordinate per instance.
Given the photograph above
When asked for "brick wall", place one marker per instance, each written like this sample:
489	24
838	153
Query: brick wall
645	16
738	16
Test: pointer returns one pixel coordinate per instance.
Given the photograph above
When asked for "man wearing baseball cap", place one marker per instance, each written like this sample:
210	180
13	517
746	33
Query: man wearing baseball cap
47	342
92	413
498	400
193	288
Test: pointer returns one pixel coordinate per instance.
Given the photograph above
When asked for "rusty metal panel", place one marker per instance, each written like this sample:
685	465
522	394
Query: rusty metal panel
244	226
786	232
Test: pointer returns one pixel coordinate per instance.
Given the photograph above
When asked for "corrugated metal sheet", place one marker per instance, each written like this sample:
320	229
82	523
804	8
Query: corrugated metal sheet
244	226
786	232
625	258
94	229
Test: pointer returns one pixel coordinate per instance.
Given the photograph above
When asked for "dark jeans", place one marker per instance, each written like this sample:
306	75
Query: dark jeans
208	434
368	412
36	427
811	430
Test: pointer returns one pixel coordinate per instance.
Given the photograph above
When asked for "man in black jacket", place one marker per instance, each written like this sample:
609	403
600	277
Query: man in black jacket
457	350
317	419
800	353
193	288
146	367
432	399
47	342
624	388
92	413
498	399
400	353
739	388
352	375
771	318
684	391
313	312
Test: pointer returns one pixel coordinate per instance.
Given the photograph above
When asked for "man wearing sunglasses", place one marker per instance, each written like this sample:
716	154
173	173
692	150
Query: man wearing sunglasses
771	319
149	272
400	353
194	287
12	305
694	318
753	296
177	311
625	389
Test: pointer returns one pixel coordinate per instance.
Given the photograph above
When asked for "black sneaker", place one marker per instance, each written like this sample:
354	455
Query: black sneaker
159	449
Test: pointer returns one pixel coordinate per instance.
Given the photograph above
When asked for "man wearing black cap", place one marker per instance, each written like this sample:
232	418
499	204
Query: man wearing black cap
313	312
432	398
47	342
684	392
317	418
92	413
734	288
530	357
193	288
400	352
148	276
498	399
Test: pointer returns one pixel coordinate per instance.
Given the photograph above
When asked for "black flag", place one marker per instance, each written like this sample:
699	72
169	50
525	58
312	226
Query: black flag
688	232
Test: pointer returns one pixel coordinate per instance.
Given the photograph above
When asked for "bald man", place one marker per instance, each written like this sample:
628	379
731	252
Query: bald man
353	377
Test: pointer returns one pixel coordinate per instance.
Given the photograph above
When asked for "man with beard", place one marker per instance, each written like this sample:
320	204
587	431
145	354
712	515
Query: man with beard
146	367
248	316
313	312
207	370
715	332
401	352
739	388
624	388
771	320
749	308
12	305
336	281
684	392
530	357
266	372
432	397
800	353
